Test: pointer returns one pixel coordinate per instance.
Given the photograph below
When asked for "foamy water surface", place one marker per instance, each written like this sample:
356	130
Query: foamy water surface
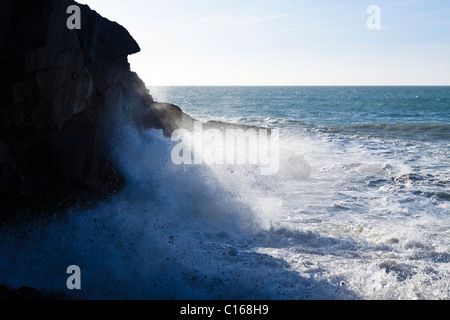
358	210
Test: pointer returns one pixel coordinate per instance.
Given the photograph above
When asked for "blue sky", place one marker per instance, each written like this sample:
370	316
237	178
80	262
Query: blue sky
285	42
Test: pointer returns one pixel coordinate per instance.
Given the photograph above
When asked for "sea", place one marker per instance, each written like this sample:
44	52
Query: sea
358	210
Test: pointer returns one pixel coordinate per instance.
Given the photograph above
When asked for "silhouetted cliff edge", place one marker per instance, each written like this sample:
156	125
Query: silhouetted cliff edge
59	91
62	93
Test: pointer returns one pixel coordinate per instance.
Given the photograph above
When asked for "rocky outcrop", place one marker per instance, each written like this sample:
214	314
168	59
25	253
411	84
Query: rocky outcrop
172	118
62	94
60	91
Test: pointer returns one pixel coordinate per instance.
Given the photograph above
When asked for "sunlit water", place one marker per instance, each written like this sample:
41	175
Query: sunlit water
358	210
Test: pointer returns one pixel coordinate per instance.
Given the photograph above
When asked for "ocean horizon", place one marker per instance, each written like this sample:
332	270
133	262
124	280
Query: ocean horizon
306	156
359	208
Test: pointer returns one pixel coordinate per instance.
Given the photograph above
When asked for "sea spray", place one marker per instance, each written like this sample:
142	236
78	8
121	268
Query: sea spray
228	147
173	232
350	215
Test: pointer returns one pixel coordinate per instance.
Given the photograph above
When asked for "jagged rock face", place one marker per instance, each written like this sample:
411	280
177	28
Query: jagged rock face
59	91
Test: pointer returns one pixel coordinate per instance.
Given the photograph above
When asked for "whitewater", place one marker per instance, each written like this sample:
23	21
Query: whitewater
358	210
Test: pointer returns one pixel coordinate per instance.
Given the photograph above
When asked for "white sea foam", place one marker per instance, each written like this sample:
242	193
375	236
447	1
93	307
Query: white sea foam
345	218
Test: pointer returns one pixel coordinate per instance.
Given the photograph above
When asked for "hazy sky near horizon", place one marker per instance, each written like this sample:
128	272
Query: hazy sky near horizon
285	42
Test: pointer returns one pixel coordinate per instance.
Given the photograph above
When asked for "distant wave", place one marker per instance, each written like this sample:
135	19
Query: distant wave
411	130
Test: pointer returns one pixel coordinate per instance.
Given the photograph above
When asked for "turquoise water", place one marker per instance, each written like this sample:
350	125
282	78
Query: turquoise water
377	178
405	126
359	208
404	113
319	106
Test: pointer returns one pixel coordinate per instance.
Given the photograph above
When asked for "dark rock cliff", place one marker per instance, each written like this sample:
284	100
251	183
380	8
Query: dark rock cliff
62	93
59	92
